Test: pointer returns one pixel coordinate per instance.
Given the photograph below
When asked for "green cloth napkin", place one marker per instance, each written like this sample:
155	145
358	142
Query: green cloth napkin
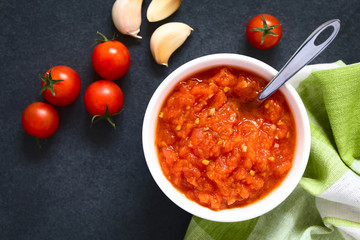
326	203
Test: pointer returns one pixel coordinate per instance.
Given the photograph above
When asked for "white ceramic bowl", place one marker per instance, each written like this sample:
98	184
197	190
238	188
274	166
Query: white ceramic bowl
261	206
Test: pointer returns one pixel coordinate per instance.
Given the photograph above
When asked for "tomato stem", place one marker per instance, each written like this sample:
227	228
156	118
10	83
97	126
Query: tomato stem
49	82
266	30
106	116
38	142
103	36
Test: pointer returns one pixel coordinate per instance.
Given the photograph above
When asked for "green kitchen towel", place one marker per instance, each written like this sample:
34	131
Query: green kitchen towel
326	203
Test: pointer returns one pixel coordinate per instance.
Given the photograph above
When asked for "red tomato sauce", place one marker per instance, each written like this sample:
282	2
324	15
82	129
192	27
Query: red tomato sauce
218	145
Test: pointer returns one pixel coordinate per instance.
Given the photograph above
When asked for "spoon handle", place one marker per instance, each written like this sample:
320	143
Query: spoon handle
305	54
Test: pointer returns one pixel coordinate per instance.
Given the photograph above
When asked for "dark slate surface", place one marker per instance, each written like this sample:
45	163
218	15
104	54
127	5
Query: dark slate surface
94	183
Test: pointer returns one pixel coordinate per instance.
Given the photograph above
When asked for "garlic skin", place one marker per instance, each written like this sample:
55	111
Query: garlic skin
166	39
126	15
161	9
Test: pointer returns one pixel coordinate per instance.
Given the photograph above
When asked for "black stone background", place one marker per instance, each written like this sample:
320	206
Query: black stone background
94	183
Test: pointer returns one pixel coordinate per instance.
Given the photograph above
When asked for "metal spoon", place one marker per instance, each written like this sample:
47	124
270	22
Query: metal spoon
305	54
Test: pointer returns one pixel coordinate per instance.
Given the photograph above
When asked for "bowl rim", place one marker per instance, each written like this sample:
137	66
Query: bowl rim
277	195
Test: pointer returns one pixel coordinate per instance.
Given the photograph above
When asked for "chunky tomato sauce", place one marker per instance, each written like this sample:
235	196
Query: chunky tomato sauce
218	145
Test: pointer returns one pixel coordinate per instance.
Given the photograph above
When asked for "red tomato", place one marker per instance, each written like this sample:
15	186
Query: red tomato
104	99
60	85
40	120
264	31
111	59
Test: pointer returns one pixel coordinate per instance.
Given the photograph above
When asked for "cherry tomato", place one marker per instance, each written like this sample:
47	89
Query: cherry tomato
60	85
111	59
103	99
40	120
264	31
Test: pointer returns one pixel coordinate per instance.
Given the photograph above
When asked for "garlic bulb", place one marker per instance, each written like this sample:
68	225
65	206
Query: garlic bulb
166	39
126	15
161	9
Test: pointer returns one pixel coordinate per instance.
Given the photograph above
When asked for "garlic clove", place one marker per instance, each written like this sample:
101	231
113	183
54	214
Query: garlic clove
166	39
161	9
126	15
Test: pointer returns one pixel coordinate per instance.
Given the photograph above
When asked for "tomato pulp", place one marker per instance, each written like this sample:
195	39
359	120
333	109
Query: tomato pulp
218	145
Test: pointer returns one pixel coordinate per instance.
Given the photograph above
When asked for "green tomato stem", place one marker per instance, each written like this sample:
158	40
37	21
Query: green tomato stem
49	82
38	142
106	116
103	36
266	30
